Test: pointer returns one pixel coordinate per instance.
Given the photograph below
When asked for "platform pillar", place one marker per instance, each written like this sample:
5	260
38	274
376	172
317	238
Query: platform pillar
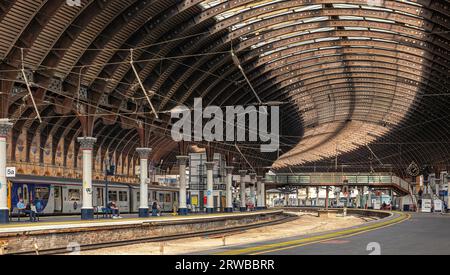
182	208
259	194
243	208
229	193
87	147
144	153
5	127
263	193
209	187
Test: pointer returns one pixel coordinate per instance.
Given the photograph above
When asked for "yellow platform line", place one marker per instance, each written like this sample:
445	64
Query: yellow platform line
267	248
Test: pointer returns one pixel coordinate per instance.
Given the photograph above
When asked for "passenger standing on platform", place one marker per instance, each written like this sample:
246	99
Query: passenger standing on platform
155	209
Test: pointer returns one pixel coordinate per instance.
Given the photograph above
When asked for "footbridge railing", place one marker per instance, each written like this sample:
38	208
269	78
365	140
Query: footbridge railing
375	180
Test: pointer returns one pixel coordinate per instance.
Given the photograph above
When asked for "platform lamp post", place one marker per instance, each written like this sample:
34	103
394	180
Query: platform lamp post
87	146
144	153
110	170
5	127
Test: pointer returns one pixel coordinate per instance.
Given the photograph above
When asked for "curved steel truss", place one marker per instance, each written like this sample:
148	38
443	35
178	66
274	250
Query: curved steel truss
354	74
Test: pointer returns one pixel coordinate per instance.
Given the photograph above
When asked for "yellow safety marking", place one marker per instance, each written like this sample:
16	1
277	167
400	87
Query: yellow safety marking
149	219
315	239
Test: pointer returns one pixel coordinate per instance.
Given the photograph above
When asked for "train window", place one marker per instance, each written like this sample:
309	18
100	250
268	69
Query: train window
154	195
123	196
112	195
42	193
167	197
74	195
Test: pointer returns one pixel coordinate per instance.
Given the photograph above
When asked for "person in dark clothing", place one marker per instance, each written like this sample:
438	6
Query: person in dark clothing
114	209
30	209
155	209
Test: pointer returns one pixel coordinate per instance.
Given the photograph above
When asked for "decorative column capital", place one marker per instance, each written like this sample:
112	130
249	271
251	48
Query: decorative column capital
259	178
87	143
5	127
252	176
243	173
229	169
143	152
210	165
182	160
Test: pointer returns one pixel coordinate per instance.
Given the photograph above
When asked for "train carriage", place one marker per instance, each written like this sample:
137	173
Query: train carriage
54	196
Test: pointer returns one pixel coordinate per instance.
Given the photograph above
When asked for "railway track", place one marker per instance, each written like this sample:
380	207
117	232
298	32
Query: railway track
209	233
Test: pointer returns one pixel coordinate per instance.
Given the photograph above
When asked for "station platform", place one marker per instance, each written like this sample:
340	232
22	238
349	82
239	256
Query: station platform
56	233
66	222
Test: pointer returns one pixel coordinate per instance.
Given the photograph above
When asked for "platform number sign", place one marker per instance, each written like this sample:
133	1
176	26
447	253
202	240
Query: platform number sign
10	172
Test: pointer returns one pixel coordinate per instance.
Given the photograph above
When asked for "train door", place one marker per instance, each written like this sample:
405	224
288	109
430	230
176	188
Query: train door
123	201
58	199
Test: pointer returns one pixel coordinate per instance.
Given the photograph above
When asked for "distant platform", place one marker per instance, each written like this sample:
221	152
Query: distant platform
70	222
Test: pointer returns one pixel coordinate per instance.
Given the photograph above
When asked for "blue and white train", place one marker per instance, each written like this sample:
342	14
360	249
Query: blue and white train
61	197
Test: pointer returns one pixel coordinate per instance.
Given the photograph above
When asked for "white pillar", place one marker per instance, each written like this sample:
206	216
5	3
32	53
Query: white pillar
259	194
143	190
229	194
87	146
243	199
263	193
182	208
5	127
209	187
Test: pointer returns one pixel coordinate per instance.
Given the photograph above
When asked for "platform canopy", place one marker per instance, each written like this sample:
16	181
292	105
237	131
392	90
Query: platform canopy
365	80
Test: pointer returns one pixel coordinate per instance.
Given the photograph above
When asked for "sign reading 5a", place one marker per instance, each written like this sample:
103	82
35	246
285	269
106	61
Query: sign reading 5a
10	172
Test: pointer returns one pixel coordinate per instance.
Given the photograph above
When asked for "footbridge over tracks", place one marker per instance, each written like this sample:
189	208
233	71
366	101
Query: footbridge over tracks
373	180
